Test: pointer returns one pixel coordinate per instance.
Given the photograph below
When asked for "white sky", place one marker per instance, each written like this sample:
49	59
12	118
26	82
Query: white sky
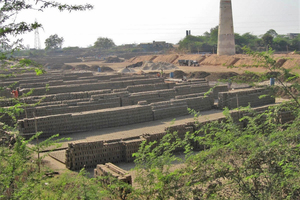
137	21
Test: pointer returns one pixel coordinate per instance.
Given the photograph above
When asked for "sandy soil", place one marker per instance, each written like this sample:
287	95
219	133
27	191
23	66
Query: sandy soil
211	63
206	68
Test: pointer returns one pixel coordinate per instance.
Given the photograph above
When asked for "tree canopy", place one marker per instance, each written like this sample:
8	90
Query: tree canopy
10	29
54	42
209	40
105	43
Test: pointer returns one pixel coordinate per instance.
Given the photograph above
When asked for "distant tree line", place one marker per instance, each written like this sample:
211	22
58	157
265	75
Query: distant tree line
209	40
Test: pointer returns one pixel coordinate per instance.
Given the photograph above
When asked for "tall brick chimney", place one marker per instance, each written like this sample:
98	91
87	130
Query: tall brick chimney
226	43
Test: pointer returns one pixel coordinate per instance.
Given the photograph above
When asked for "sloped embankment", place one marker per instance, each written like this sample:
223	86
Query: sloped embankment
238	60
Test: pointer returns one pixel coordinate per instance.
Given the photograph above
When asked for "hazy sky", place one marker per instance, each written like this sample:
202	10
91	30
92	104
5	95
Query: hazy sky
137	21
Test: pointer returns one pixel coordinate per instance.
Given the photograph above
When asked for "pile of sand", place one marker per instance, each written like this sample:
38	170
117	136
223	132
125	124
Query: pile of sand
158	66
82	67
197	57
67	67
291	63
114	59
220	60
106	69
126	70
142	58
166	58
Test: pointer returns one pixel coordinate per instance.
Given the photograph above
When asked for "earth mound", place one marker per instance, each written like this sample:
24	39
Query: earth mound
67	67
158	66
114	59
126	70
81	67
179	74
106	69
200	74
102	68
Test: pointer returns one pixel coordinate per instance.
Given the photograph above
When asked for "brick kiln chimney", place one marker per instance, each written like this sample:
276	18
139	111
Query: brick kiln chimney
226	43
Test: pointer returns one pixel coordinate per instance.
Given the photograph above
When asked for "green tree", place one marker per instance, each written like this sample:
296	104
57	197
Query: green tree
272	32
281	44
104	43
9	12
214	35
195	44
295	44
267	40
54	42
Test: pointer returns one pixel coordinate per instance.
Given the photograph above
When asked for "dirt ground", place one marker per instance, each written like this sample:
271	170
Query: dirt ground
215	66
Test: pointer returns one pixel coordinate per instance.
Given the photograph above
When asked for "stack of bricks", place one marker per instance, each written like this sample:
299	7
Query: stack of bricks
116	172
54	97
86	121
188	89
281	116
141	88
88	154
92	86
109	95
148	81
218	89
131	145
168	109
181	130
83	154
50	125
198	101
198	88
154	136
181	90
201	81
113	151
166	94
106	77
109	103
149	87
237	98
56	83
150	96
163	86
128	78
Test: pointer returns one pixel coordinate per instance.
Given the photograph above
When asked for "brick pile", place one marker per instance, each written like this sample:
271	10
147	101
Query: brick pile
236	98
116	172
167	109
86	121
